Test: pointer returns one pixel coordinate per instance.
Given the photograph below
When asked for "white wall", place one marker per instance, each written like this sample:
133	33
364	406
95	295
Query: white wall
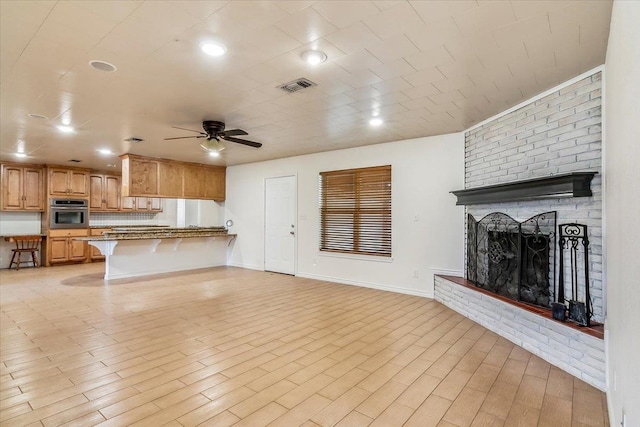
204	213
424	170
622	206
16	223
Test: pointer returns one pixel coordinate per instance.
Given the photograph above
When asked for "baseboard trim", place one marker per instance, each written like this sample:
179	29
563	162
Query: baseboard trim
370	285
247	266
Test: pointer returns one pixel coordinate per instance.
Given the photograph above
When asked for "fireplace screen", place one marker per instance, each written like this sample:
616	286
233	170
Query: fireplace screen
513	259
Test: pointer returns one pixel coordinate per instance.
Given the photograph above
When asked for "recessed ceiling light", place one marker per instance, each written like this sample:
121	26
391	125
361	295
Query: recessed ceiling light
376	121
37	116
21	155
105	151
314	57
102	66
65	129
213	48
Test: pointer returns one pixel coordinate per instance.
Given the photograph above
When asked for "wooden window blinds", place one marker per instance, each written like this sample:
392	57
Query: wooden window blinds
355	211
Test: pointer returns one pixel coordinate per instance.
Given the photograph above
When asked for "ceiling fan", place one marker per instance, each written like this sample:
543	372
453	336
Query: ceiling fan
214	135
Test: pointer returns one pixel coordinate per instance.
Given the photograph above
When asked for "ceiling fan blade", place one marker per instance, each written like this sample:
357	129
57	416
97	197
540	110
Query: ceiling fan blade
233	132
190	130
186	137
243	141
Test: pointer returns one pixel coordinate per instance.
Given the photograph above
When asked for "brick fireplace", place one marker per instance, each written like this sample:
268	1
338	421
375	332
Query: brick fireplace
557	134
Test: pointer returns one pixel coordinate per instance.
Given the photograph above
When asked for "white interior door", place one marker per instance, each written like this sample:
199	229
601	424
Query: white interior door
280	224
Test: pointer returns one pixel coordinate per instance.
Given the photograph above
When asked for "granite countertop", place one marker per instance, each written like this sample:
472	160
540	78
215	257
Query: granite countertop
152	229
141	233
126	226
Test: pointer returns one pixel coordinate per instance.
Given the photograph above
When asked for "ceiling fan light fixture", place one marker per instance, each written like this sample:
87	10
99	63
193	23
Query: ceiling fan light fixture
376	121
314	57
213	48
213	145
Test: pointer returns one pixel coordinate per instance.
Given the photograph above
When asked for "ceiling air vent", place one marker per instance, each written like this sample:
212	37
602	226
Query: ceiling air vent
134	139
297	85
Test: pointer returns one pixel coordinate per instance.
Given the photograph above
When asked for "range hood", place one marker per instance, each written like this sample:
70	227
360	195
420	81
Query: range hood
576	184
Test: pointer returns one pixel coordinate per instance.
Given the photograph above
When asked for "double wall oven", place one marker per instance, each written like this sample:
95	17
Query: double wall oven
68	213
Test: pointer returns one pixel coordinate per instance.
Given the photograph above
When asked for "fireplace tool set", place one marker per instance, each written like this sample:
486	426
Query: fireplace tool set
574	245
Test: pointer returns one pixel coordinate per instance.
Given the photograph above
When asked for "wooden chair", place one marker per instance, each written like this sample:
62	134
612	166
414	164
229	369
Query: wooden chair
25	244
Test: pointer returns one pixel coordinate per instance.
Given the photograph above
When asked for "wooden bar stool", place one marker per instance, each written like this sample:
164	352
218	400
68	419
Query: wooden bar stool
28	245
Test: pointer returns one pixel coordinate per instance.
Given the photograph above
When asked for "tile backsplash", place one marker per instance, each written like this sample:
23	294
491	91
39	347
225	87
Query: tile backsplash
134	218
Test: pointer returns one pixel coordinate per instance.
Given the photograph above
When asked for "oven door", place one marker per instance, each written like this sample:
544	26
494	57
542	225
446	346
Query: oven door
69	217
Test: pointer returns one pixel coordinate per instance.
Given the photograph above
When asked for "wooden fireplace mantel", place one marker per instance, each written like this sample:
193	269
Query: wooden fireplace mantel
575	184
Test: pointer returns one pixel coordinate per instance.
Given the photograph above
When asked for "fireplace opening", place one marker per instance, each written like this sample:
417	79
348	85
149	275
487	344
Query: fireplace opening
513	259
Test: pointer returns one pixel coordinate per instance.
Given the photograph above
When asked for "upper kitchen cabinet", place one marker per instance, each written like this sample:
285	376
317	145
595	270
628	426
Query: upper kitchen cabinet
105	193
140	177
22	188
195	182
216	184
147	177
68	182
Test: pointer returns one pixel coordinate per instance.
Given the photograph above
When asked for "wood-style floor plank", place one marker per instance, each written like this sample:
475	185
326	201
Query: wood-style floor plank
232	347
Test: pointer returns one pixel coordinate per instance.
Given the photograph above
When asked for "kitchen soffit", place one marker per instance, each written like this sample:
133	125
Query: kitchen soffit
426	68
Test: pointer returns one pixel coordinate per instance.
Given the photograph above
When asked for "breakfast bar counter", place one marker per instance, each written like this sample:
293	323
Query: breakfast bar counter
140	251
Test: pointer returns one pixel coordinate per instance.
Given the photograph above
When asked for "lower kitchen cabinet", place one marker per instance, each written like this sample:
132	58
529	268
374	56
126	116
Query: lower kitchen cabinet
63	248
95	253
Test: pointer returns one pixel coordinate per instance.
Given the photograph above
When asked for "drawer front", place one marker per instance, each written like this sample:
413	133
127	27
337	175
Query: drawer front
98	231
69	233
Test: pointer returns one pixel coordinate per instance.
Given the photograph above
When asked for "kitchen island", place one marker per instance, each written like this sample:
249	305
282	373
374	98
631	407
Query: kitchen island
141	251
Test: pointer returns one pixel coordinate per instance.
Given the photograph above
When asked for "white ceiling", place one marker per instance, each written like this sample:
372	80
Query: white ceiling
425	67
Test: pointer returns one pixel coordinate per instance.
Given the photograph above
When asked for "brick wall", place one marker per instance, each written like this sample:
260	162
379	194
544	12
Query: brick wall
573	351
556	134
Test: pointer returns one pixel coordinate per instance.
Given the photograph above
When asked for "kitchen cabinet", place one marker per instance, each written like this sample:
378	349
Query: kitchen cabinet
144	182
94	252
68	182
155	204
22	188
62	248
195	182
128	204
104	195
141	204
148	177
216	184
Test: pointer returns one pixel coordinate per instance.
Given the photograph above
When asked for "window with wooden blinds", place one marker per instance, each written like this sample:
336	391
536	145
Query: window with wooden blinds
355	211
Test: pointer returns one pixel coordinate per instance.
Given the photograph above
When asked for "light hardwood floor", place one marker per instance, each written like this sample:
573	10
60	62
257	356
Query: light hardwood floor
228	346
